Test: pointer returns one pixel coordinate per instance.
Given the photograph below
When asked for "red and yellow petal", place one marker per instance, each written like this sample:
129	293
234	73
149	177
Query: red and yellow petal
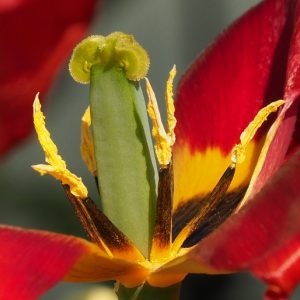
222	92
96	266
226	86
281	269
241	72
197	173
262	237
33	261
36	40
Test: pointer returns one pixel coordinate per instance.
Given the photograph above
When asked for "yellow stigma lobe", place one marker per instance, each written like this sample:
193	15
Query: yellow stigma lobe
117	49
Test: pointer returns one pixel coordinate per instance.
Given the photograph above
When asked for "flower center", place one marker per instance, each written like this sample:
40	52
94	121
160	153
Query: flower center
118	151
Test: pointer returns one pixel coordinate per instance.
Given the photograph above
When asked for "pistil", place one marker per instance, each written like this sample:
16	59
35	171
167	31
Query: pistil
123	150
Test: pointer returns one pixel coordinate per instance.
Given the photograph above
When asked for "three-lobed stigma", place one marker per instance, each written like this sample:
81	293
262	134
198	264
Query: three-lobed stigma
117	49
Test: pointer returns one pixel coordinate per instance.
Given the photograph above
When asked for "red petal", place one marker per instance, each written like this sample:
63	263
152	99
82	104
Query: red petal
292	87
254	62
264	236
32	261
11	4
284	136
38	36
281	269
240	73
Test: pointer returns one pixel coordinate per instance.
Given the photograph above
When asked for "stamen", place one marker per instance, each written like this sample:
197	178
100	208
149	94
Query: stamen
238	152
87	144
214	199
57	166
161	242
101	230
78	189
164	140
86	220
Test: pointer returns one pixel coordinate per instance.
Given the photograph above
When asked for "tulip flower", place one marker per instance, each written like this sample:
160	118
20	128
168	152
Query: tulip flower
236	194
36	38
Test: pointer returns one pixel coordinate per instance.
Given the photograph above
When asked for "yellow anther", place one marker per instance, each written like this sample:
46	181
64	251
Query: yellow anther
170	105
164	140
238	152
57	166
162	146
66	177
87	144
51	153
